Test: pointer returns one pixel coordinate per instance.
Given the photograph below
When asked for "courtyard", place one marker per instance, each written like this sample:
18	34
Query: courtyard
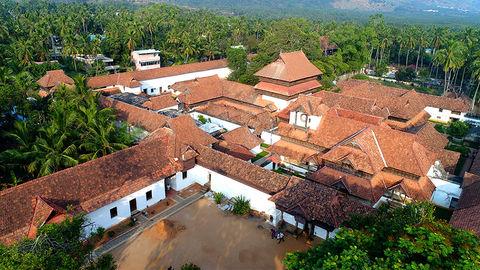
204	235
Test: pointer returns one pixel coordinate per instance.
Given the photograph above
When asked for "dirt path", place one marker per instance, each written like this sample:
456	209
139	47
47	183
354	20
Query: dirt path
204	235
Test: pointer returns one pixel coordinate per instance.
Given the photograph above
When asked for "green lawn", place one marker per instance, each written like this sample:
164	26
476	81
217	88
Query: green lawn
259	156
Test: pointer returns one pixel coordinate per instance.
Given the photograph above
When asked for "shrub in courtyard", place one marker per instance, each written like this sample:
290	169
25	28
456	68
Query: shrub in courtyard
190	266
218	197
202	119
458	129
241	206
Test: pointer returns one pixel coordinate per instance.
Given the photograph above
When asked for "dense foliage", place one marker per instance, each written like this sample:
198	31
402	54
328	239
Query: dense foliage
59	132
56	246
408	237
241	205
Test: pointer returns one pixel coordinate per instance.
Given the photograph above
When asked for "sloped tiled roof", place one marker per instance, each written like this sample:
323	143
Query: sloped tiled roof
467	214
290	67
239	113
160	102
401	103
294	151
134	115
132	78
54	78
242	136
255	176
288	91
85	186
302	197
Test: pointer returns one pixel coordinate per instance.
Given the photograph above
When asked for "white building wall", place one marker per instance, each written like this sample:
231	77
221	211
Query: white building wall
162	85
279	103
440	115
444	190
101	217
229	126
134	90
320	232
269	138
291	220
197	174
303	120
256	150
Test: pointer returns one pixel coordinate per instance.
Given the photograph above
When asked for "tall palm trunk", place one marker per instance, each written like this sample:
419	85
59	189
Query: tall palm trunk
418	58
399	50
463	77
475	95
406	60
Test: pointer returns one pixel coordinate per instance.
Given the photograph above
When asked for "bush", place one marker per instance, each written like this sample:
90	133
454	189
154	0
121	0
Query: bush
111	234
241	206
381	69
458	129
441	128
190	266
100	232
405	74
458	148
218	197
202	119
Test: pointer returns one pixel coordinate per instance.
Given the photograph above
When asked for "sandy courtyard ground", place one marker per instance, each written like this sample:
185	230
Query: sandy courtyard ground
207	237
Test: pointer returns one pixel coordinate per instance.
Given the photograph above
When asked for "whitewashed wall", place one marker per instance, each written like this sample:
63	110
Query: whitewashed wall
229	126
197	174
269	138
170	108
101	217
166	82
257	149
444	115
279	103
308	121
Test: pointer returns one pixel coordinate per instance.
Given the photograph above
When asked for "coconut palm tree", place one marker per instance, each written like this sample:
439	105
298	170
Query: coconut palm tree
452	58
476	76
52	151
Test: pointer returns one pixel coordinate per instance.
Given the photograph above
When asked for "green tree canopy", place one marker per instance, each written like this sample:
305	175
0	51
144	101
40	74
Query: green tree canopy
407	237
56	246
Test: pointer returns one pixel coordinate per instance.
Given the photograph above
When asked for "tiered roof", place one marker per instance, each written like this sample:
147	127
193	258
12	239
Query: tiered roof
289	67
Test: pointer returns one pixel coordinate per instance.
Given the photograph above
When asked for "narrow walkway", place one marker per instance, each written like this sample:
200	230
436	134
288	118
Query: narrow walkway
262	160
113	243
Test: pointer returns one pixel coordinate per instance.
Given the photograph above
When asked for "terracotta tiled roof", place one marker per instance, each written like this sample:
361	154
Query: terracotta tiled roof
401	103
187	133
212	87
86	185
246	172
372	189
470	178
160	102
242	136
235	150
288	90
132	78
428	136
358	104
294	151
302	197
475	168
467	214
134	115
54	78
109	90
290	67
239	113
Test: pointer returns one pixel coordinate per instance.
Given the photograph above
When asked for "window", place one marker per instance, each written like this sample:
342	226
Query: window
113	212
152	90
184	174
133	205
161	89
440	110
148	195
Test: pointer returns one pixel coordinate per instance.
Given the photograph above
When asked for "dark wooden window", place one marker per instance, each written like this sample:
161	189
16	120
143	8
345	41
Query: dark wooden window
113	212
133	205
148	195
184	174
